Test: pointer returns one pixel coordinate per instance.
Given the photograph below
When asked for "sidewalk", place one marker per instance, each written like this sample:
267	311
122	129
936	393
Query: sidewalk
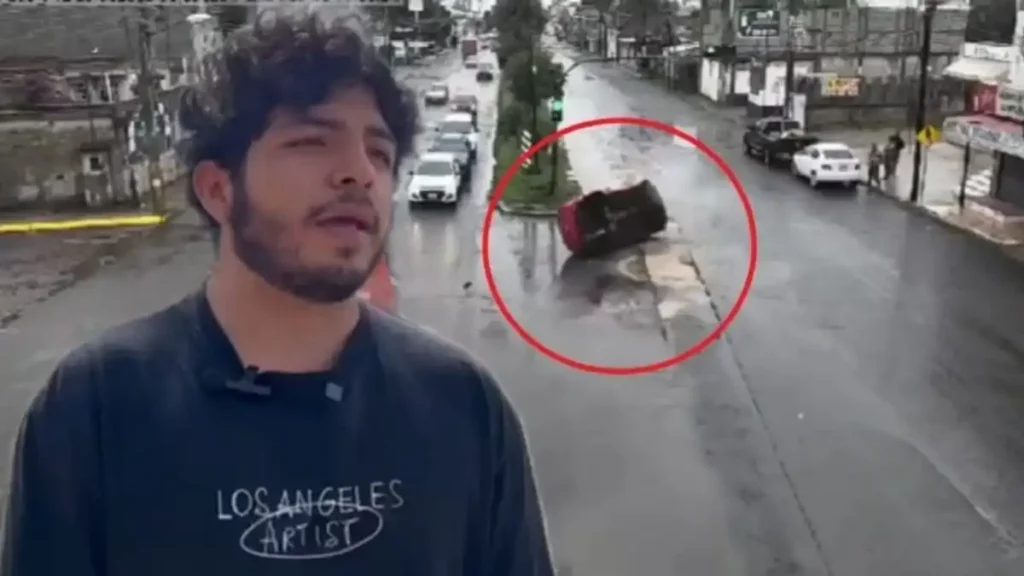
35	267
941	175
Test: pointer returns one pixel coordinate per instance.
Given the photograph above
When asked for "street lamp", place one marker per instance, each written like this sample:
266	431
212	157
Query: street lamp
928	12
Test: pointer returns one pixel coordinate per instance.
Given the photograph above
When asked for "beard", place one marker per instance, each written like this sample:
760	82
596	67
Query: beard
260	243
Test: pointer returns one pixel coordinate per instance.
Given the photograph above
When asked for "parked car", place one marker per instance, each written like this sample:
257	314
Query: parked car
485	73
775	139
463	124
437	95
437	178
827	163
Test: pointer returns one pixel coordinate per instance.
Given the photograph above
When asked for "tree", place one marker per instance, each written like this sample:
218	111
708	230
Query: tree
991	21
519	24
532	88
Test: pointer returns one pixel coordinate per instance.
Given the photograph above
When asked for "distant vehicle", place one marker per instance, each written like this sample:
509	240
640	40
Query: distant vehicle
827	163
775	139
437	178
485	73
462	124
470	47
458	146
464	103
437	95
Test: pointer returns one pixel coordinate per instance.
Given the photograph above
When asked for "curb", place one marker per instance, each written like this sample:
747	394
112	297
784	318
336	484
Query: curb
529	210
94	262
923	211
87	222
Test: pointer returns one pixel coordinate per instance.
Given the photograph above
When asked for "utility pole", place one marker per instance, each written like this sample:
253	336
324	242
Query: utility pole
922	95
790	59
147	99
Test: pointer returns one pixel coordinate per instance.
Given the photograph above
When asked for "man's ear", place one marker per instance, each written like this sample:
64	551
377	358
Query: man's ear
214	190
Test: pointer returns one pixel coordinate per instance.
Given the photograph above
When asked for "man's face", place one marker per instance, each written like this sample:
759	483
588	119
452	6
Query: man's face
311	211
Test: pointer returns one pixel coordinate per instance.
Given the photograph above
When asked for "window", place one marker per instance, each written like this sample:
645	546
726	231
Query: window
95	164
435	168
456	127
837	154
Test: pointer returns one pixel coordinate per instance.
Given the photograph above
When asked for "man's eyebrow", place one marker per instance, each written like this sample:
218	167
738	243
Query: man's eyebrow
308	119
382	133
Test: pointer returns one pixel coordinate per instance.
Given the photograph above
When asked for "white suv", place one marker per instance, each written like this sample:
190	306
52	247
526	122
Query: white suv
436	178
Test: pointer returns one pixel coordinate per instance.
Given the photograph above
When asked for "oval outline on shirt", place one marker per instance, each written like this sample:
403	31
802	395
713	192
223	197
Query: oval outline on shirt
362	511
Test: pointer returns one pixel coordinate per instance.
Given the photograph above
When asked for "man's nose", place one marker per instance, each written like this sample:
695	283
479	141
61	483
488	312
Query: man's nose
353	167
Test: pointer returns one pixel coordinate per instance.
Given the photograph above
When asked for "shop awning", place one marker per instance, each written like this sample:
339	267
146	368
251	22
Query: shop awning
978	70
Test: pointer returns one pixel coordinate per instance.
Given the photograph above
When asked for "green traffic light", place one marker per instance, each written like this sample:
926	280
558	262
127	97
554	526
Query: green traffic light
556	105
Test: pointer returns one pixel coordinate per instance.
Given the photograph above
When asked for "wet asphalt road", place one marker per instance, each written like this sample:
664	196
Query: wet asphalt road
861	417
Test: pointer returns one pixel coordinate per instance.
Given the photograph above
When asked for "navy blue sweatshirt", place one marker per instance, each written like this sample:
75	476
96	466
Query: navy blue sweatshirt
151	452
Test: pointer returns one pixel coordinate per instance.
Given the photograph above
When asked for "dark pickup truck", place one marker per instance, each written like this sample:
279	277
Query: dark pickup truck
775	140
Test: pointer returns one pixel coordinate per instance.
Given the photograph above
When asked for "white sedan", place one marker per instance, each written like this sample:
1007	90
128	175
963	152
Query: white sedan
437	178
827	163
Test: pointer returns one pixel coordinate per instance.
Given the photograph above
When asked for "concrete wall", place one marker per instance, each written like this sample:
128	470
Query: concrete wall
41	162
43	165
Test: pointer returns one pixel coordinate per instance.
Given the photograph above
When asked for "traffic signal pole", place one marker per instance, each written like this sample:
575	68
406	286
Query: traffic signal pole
922	95
556	117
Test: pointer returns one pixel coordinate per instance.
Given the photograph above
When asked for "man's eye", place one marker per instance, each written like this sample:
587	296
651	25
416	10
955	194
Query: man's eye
382	155
312	141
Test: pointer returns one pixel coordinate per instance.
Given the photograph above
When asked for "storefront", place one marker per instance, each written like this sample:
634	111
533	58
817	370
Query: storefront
982	68
1004	138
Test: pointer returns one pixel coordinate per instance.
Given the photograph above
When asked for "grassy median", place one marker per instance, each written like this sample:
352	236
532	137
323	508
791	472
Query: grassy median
530	187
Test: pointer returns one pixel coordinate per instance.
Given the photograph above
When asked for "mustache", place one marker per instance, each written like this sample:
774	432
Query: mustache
349	203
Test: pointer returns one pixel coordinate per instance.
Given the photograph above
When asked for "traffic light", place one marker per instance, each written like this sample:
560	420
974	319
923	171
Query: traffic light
556	111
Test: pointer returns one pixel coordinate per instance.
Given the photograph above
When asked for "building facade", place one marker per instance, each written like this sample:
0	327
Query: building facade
994	75
69	103
858	58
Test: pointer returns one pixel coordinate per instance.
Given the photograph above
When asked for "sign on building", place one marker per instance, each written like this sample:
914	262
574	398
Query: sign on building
1010	103
987	52
759	23
837	86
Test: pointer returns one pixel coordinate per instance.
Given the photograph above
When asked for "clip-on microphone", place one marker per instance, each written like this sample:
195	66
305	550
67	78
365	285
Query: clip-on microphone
247	383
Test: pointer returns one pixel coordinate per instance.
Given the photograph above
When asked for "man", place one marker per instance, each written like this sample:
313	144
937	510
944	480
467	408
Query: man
270	423
893	150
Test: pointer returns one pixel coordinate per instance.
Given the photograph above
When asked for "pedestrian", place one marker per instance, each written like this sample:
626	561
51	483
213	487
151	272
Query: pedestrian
272	423
874	166
893	150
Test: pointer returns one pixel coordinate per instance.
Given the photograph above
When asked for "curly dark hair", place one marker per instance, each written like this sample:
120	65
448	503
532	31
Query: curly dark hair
284	61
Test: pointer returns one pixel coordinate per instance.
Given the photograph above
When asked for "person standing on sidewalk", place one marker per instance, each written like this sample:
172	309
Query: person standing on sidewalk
893	150
874	167
271	423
